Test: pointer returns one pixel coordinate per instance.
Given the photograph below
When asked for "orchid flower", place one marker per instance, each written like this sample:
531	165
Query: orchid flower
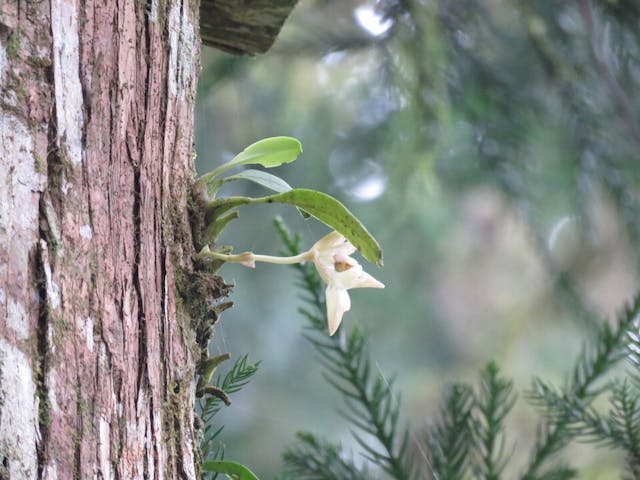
341	272
331	256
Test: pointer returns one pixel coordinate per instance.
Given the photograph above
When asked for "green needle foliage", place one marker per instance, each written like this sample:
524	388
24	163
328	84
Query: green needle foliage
561	408
314	459
620	428
233	381
494	401
371	405
535	100
450	441
467	439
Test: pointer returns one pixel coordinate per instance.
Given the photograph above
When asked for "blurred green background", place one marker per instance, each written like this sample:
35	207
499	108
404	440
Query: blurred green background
490	146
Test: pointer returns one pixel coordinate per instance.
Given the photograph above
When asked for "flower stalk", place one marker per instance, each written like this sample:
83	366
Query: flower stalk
249	259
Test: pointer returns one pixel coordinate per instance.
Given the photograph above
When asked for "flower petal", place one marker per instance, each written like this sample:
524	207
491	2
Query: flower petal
330	240
348	278
365	280
333	242
338	302
354	277
325	268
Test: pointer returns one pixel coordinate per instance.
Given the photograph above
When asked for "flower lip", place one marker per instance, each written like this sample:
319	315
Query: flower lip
342	262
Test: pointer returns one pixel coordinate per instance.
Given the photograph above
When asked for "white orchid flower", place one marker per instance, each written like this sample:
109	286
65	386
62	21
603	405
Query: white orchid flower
341	272
331	256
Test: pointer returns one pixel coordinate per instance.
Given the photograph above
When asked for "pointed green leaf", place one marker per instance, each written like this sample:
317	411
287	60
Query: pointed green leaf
269	152
333	213
322	206
265	179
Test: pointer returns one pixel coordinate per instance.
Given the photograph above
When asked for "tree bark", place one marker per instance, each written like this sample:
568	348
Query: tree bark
96	148
246	27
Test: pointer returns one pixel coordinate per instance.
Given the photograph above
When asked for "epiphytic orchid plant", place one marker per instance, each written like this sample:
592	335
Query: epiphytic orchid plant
331	254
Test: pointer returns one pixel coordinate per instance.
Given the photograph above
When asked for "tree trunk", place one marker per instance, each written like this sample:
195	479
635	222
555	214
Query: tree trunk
96	148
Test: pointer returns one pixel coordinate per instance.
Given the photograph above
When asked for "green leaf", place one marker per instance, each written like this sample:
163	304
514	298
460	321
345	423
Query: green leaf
265	179
322	206
269	152
333	213
233	469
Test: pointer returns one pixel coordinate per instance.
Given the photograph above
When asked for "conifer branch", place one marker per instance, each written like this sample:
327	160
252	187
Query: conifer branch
621	428
494	401
467	439
233	381
371	405
450	440
609	347
313	459
559	473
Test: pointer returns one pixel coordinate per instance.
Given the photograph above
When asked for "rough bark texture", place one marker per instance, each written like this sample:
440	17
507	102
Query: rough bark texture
243	26
96	147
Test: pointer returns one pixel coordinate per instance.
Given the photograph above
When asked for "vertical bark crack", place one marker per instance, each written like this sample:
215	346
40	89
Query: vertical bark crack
48	241
142	336
142	344
77	445
44	405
